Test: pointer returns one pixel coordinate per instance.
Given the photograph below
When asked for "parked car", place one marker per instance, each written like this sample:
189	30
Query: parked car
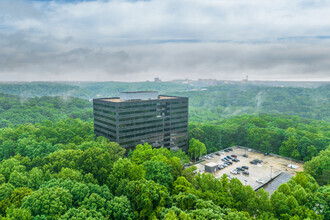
238	172
246	173
245	155
233	155
226	159
260	181
245	167
217	153
236	160
226	150
230	162
252	162
233	172
223	159
230	149
229	157
238	168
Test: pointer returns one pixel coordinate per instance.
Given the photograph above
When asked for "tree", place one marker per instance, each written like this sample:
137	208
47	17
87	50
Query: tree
82	213
15	199
53	202
147	197
196	148
318	167
120	208
158	172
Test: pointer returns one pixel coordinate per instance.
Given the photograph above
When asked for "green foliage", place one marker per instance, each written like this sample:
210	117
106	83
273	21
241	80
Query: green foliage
52	202
196	149
120	208
158	172
147	197
266	133
16	110
319	167
230	100
60	170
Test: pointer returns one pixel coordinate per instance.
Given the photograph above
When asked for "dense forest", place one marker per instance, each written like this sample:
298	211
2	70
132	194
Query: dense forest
16	110
53	167
61	170
230	100
289	136
205	104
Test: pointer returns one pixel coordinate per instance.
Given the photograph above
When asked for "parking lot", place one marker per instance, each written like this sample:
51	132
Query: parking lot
270	166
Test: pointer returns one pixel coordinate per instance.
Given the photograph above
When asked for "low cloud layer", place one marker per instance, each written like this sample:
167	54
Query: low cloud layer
139	40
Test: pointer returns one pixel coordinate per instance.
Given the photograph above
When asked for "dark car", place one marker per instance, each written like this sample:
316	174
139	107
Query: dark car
246	173
245	167
245	155
226	159
234	156
230	149
230	162
236	160
252	162
217	153
266	154
229	157
226	150
238	168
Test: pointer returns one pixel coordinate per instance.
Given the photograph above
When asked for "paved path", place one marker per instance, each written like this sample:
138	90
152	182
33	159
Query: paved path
274	184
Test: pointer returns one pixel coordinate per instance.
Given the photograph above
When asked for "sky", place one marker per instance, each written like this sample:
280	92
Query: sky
132	40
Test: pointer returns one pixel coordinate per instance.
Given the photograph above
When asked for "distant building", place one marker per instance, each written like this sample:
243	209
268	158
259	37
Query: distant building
138	117
157	79
246	79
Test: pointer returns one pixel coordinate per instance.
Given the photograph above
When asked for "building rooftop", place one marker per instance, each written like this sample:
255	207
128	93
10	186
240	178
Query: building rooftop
117	99
211	164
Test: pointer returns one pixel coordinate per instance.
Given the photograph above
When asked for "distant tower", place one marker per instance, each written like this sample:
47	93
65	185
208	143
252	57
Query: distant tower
157	79
246	79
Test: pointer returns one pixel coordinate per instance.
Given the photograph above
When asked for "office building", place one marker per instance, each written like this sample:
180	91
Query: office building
139	117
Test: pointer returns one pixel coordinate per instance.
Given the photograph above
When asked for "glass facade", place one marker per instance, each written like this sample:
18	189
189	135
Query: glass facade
161	122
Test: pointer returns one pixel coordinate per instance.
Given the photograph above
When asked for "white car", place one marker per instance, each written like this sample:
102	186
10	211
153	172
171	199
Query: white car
260	181
233	172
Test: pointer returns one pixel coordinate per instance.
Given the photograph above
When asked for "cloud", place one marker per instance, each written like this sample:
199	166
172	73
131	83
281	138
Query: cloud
137	40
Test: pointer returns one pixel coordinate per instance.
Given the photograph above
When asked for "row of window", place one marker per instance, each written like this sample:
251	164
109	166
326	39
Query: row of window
138	135
179	102
179	107
105	111
104	122
104	127
135	118
104	133
102	116
104	105
177	113
139	123
135	106
179	127
143	128
136	112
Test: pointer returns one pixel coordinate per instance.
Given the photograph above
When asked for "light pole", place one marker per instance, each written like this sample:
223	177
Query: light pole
271	171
